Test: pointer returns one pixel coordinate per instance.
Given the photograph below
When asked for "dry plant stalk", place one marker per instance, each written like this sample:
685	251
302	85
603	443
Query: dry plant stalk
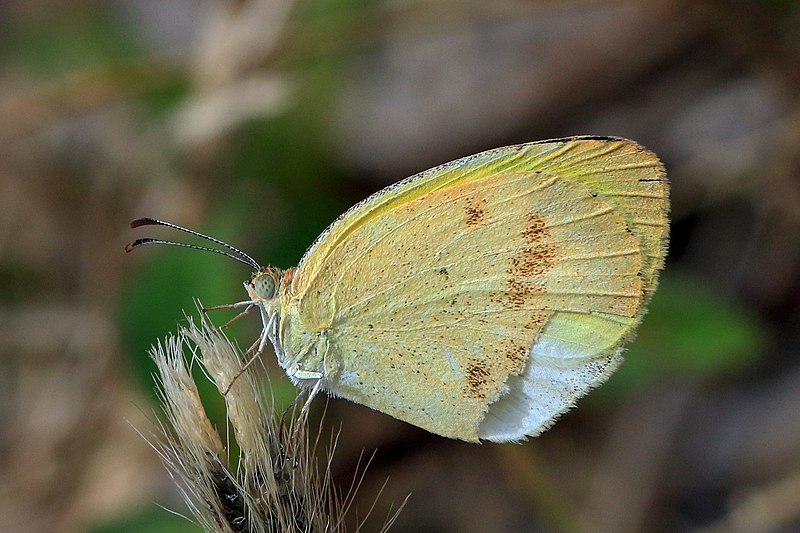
275	485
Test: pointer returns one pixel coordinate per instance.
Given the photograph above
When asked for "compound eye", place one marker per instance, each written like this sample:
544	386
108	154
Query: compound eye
265	286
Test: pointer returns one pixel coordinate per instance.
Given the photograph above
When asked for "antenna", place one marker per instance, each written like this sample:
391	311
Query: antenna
146	221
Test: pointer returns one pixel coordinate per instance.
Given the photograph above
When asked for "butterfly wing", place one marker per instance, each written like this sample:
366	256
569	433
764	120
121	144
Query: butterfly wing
481	298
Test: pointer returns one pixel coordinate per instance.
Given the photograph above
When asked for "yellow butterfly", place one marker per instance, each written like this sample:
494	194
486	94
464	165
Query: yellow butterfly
478	299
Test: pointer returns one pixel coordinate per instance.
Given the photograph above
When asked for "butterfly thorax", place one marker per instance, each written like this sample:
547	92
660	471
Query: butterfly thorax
304	342
300	350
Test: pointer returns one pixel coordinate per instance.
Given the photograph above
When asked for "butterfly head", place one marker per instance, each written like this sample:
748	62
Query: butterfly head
264	286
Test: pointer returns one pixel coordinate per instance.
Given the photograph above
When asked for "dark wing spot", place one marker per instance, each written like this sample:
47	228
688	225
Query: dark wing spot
536	230
536	321
475	210
476	376
516	352
533	261
535	258
538	256
518	292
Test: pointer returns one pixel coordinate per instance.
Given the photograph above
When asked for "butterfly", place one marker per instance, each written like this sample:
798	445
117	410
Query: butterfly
478	299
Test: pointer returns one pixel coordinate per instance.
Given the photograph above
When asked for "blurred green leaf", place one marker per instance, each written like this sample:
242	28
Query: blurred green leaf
282	153
64	40
163	96
689	330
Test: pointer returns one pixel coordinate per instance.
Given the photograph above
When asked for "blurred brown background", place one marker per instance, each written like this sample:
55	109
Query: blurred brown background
260	121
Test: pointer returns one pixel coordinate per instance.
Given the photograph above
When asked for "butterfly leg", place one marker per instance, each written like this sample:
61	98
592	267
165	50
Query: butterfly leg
261	342
248	306
246	303
301	418
271	326
237	317
297	373
314	391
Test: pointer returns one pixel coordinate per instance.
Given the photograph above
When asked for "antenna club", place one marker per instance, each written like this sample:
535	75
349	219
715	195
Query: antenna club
144	221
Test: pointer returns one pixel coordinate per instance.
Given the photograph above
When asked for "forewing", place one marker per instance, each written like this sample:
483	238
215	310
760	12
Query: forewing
629	178
435	294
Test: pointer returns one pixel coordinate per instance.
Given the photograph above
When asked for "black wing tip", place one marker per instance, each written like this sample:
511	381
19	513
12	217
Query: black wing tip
588	137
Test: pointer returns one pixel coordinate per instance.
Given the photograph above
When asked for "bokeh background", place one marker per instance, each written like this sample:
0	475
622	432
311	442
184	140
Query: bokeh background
259	121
